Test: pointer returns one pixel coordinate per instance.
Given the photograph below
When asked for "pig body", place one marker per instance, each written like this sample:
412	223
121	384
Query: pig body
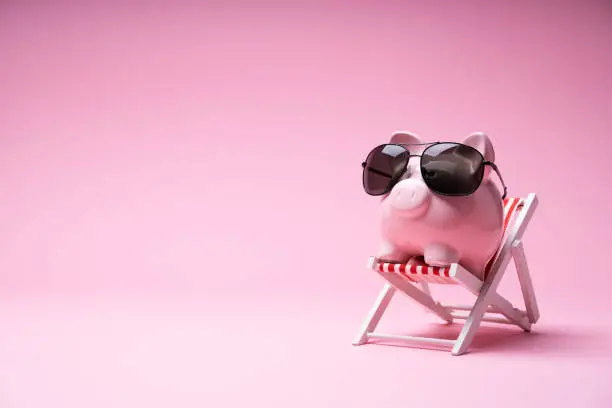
416	222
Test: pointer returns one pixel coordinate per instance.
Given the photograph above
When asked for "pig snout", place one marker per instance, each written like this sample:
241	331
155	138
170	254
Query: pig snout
410	198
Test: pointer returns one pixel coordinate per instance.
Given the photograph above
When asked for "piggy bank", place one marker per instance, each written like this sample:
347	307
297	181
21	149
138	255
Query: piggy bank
430	212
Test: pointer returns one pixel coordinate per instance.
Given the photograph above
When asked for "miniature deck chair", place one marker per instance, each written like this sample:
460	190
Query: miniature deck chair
402	277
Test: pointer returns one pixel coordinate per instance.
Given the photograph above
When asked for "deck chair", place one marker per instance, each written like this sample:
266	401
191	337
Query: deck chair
489	305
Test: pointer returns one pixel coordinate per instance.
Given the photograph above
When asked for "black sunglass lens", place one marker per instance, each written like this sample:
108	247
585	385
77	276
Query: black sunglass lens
382	168
452	168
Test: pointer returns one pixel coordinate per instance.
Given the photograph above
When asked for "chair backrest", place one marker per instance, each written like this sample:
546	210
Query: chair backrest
513	207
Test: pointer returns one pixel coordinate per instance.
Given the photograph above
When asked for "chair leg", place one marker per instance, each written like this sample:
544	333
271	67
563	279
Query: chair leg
520	261
376	313
470	327
487	293
514	315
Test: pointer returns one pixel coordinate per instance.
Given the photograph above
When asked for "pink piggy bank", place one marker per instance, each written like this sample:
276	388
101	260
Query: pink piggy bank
439	203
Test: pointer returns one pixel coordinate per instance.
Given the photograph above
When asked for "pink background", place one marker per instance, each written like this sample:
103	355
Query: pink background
182	219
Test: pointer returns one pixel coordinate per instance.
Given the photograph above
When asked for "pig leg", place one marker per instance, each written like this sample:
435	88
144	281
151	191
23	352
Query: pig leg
440	255
390	253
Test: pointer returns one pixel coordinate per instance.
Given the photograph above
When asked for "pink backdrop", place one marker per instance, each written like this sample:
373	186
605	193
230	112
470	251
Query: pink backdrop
183	222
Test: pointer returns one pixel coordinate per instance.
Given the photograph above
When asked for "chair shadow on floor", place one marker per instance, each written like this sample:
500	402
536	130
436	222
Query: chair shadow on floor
568	341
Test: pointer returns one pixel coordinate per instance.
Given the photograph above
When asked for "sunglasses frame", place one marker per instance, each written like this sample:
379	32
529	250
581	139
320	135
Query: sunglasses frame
393	180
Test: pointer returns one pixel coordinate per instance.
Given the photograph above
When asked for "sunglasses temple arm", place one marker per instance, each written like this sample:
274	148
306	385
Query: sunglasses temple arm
494	167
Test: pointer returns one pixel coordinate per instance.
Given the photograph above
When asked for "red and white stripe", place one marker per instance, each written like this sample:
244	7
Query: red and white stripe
511	205
421	272
418	272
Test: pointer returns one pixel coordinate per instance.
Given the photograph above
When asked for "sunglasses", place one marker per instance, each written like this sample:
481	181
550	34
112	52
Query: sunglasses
447	168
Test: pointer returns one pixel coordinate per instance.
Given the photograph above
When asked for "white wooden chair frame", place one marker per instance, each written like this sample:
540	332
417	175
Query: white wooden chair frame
488	301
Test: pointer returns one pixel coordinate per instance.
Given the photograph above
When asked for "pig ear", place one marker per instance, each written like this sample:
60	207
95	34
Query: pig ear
401	136
481	142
